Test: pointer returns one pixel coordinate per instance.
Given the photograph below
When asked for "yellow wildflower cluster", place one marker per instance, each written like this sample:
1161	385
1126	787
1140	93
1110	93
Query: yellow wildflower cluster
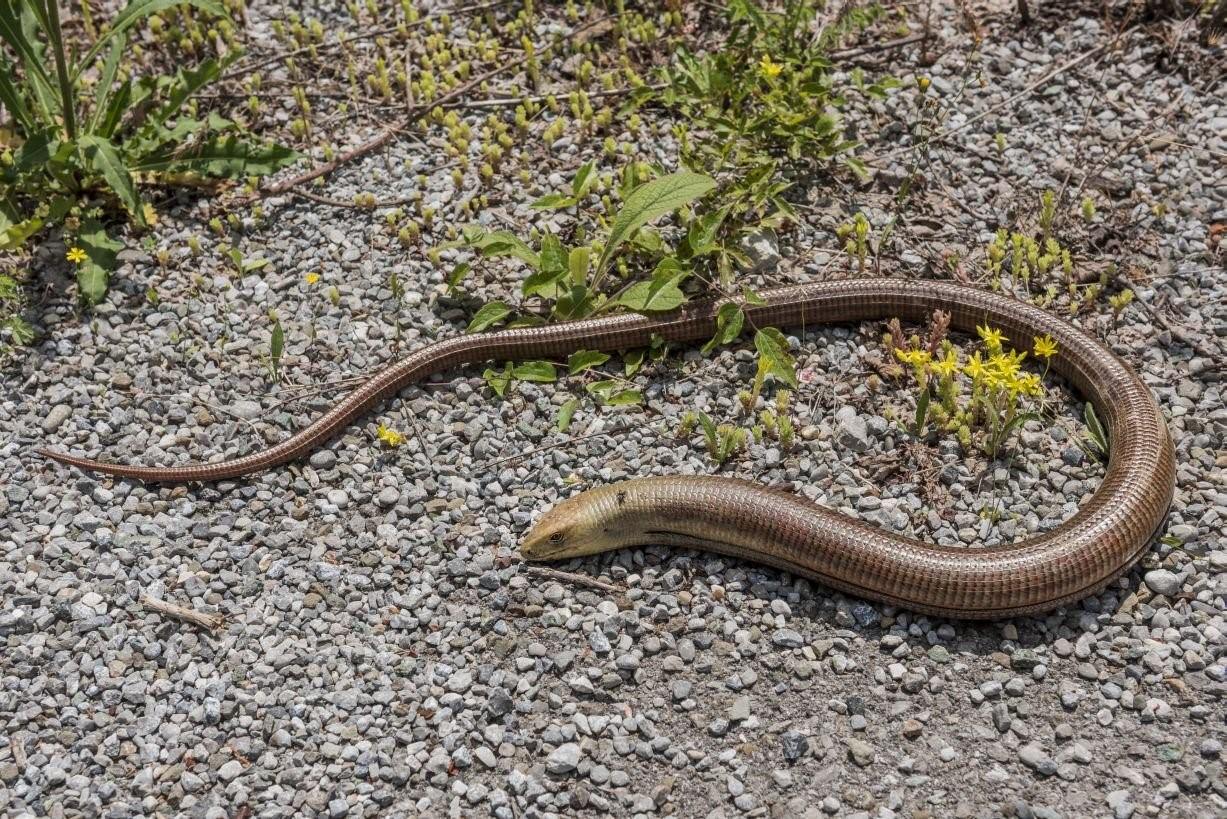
989	395
390	437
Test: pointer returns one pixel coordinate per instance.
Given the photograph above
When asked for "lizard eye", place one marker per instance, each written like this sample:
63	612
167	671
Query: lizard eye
556	537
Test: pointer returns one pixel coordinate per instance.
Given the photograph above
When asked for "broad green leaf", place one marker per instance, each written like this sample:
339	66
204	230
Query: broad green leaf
553	255
566	412
752	298
14	234
649	201
581	360
101	252
187	82
553	201
701	235
729	321
458	273
624	398
107	79
542	371
543	284
653	296
574	304
104	157
491	313
136	11
36	152
500	243
19	32
773	354
498	380
577	263
226	156
582	181
632	360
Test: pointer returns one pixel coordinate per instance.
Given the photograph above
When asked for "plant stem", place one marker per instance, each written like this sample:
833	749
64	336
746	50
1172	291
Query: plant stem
56	36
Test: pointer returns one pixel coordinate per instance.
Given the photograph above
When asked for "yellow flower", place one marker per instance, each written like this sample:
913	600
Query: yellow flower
1044	347
75	255
923	84
312	278
975	368
390	437
992	337
917	358
768	69
947	366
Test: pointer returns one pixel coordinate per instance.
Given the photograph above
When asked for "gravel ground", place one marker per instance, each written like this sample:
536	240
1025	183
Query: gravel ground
383	651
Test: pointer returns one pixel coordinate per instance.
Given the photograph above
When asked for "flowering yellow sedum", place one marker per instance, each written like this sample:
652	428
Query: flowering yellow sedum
390	437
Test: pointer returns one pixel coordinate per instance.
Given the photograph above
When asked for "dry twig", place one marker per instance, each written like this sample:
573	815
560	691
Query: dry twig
204	620
571	577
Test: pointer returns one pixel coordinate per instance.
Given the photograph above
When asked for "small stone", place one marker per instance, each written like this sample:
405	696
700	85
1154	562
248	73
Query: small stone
1161	581
851	431
56	417
564	759
787	638
1034	757
912	728
795	745
861	752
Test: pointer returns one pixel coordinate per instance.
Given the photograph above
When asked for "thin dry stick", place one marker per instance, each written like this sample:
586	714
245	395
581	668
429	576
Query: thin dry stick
204	620
1026	92
571	577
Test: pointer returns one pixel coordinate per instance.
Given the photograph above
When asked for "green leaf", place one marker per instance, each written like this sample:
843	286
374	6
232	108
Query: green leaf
14	234
543	284
577	263
105	158
458	273
101	252
553	255
701	235
489	314
107	79
652	296
541	371
276	346
649	201
582	181
709	429
553	201
729	321
774	356
659	293
922	412
500	243
1099	437
752	298
632	360
136	11
187	82
498	380
566	412
36	151
581	360
624	398
225	156
19	32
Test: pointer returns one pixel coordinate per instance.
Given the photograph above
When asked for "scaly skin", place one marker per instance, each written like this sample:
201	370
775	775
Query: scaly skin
1076	559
